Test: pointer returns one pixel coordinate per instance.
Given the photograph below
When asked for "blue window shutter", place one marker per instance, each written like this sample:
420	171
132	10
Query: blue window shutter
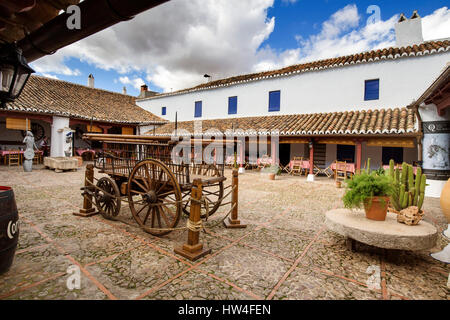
274	101
198	109
163	111
232	105
372	90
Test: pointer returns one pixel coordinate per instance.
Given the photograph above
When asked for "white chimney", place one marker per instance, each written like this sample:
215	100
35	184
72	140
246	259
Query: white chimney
91	81
124	90
409	31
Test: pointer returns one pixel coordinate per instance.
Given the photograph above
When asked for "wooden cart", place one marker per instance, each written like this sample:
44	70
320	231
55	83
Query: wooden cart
141	172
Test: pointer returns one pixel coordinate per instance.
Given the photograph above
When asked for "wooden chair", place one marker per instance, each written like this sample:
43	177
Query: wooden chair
341	171
297	166
328	171
37	158
13	159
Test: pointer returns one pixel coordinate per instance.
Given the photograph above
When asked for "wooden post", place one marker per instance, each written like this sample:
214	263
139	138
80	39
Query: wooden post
358	156
241	154
311	161
193	249
273	151
233	221
87	210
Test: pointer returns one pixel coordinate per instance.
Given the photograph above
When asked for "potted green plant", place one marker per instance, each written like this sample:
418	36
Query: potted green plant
370	190
273	170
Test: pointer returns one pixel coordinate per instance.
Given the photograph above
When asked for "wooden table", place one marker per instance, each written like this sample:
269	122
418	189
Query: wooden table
349	167
6	153
304	164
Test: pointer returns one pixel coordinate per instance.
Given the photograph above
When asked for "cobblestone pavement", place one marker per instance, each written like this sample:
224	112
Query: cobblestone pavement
284	253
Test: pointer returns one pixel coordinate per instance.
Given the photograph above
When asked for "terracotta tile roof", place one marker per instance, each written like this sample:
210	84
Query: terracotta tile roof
391	53
384	121
55	97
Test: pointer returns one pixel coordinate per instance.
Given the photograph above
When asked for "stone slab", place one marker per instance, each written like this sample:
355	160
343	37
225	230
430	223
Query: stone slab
61	163
388	234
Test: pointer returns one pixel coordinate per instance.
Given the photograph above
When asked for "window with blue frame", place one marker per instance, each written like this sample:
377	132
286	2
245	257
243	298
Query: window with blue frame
274	101
163	111
372	90
198	109
232	105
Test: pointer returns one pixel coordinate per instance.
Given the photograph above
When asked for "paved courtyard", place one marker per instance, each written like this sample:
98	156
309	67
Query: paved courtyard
284	253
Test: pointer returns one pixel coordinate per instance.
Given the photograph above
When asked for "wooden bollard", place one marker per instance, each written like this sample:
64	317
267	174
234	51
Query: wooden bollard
87	210
194	249
233	221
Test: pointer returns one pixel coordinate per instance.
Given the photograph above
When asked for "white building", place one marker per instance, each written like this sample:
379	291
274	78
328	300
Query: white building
359	84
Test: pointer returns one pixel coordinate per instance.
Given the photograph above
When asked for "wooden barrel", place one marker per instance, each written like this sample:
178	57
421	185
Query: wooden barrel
9	228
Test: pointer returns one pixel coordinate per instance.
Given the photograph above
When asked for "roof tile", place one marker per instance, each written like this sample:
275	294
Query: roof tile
348	122
56	97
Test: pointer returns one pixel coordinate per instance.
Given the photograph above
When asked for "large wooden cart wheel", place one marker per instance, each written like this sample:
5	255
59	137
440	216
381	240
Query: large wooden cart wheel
107	198
154	196
213	192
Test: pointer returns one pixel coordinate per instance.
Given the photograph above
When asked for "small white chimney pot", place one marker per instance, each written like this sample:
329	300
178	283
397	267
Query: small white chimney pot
91	81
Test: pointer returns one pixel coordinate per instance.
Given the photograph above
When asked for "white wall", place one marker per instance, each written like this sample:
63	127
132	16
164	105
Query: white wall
298	150
330	90
429	113
145	129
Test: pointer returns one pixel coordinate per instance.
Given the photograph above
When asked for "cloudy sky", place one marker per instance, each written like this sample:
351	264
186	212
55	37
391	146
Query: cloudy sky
172	46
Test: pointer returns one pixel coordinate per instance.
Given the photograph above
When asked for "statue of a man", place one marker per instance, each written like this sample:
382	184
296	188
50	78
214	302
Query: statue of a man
29	151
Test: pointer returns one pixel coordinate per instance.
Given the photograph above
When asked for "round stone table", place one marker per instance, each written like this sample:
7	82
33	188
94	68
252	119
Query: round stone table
388	234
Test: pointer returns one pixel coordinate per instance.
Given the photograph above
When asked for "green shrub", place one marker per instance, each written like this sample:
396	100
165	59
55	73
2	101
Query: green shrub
364	186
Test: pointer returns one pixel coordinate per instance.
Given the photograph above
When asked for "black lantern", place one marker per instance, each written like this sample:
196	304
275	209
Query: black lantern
14	73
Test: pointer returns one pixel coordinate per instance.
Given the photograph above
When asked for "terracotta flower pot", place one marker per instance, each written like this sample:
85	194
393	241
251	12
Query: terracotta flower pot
445	200
338	184
272	176
376	208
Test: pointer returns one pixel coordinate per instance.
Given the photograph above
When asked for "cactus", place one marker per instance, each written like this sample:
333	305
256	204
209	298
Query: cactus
409	190
391	169
417	184
397	175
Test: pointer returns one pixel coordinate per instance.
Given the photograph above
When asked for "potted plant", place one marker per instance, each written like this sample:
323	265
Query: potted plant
273	170
371	191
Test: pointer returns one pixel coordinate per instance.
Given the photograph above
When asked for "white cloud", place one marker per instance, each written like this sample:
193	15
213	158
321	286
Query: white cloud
342	35
51	76
176	43
136	82
55	64
437	24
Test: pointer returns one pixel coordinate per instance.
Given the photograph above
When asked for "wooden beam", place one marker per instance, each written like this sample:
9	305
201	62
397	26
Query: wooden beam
391	142
18	6
345	141
286	140
31	116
